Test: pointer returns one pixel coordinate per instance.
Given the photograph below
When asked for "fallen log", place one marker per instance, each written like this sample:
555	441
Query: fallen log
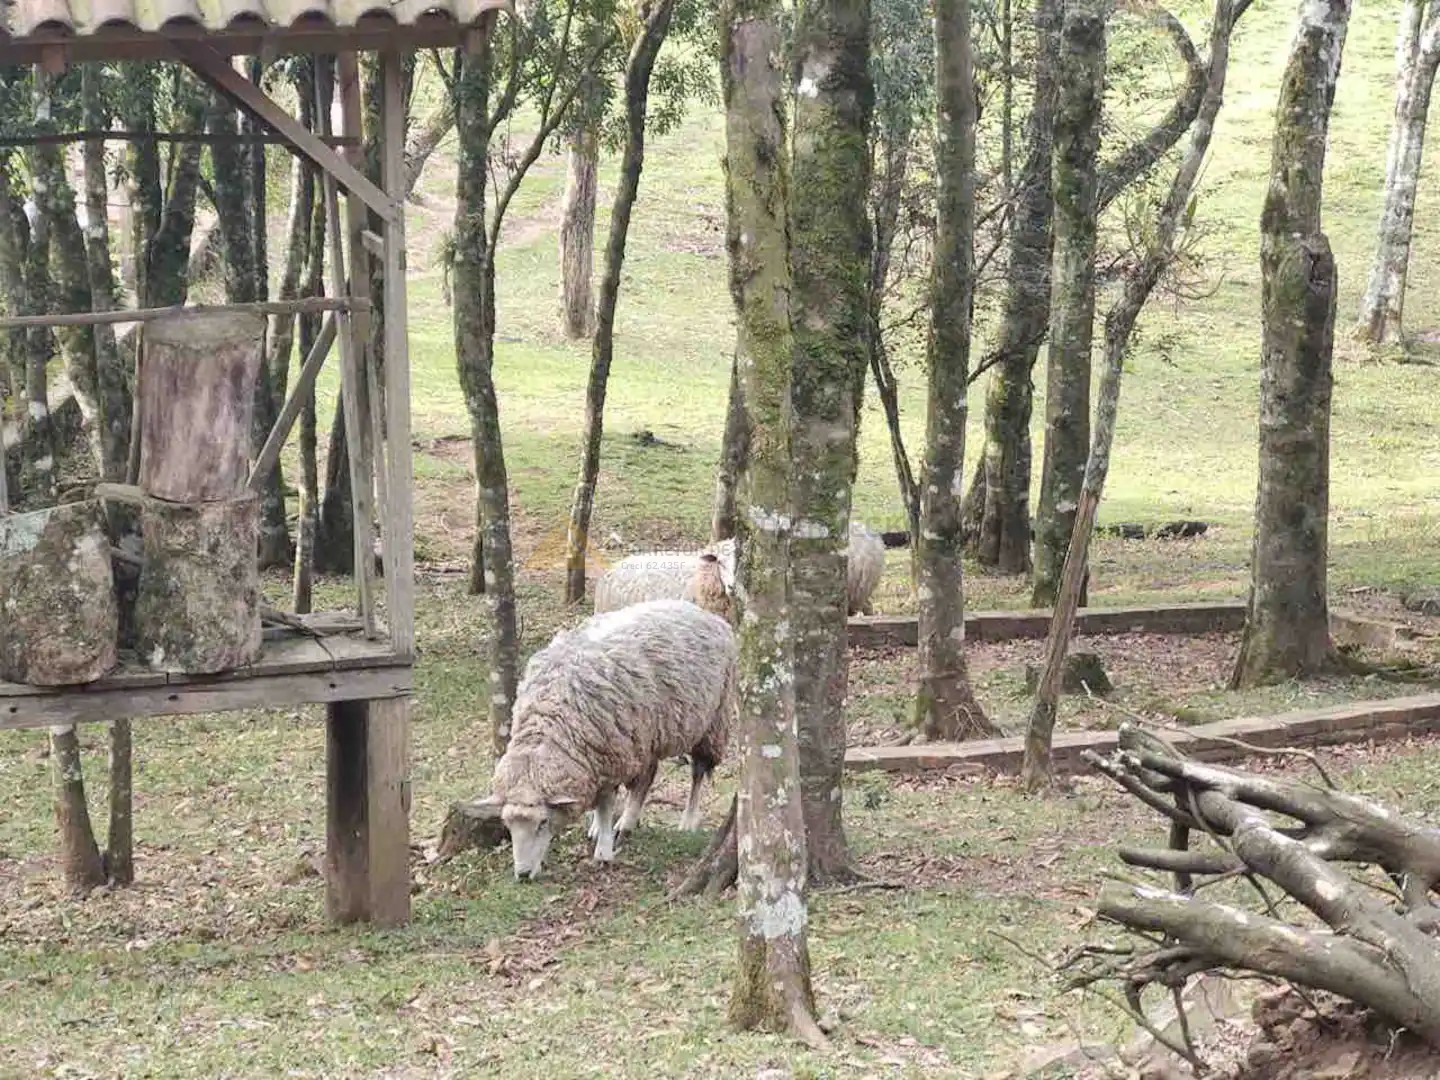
471	825
1368	936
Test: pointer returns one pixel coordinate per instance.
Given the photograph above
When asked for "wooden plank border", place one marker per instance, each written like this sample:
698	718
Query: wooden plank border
1362	721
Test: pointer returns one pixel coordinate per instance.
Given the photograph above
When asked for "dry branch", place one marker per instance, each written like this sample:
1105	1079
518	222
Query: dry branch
1370	945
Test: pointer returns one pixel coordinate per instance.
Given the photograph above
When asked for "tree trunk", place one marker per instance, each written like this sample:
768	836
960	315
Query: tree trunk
945	705
1417	54
308	516
79	853
167	249
772	989
335	531
830	314
112	377
475	357
30	248
275	545
425	139
120	840
1072	318
1287	628
1003	536
734	445
577	231
638	67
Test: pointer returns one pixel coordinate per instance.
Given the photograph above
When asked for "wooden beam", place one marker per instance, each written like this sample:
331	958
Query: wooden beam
312	305
212	67
361	484
204	138
399	509
304	383
374	243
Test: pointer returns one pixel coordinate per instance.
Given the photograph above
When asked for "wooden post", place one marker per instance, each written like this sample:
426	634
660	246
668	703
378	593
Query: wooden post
398	509
367	864
198	396
361	484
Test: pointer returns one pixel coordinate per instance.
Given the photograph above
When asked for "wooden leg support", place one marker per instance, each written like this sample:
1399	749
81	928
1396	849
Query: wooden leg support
367	861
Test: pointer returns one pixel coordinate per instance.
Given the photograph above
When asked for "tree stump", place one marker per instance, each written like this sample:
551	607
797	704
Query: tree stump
198	610
197	394
58	618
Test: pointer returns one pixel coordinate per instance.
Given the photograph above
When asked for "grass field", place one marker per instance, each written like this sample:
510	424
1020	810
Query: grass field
220	963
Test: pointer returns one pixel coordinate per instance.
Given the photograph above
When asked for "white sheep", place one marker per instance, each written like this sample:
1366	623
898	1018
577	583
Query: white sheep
658	575
667	575
600	707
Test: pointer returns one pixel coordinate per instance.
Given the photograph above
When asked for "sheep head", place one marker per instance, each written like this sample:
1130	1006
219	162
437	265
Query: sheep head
532	821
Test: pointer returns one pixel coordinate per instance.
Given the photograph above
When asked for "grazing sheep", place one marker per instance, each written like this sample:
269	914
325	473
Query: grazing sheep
665	575
657	575
601	706
864	568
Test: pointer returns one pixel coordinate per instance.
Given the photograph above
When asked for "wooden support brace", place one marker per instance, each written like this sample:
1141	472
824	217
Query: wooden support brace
399	511
374	243
367	862
212	67
304	383
308	306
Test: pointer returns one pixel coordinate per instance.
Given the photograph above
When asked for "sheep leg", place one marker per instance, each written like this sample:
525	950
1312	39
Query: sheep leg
635	794
701	765
605	826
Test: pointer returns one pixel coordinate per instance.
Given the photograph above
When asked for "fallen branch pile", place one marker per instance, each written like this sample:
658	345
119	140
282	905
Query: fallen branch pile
1342	887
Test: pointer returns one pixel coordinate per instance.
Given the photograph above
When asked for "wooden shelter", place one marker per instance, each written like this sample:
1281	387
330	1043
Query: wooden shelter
363	676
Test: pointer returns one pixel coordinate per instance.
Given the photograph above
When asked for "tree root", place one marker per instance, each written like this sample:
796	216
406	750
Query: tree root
1370	945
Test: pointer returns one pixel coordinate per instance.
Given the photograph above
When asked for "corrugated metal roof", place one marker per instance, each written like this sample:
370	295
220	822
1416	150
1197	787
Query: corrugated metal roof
88	29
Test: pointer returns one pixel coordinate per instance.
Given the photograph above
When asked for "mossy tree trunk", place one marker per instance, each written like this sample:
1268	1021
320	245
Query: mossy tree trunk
1287	628
638	68
474	278
1119	326
830	315
24	253
80	855
772	987
945	705
308	515
1002	537
733	449
1417	56
577	229
1075	177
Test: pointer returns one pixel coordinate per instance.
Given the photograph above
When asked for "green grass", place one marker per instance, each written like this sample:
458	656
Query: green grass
220	961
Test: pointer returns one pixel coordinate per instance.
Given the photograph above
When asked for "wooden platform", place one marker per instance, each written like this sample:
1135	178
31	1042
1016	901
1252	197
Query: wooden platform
290	672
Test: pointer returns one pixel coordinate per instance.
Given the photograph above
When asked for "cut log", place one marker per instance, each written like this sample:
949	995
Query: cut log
58	618
197	394
471	825
198	611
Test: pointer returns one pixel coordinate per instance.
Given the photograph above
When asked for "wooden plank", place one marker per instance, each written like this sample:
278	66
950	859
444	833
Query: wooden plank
203	138
387	795
36	709
374	243
311	305
399	518
213	68
347	68
360	484
350	651
304	383
287	656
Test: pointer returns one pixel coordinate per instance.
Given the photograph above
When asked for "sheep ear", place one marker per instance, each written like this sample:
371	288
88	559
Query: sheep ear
561	804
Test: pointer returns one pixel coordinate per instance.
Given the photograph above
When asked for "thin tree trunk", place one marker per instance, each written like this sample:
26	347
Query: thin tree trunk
84	869
945	705
275	544
1119	326
734	445
772	989
308	516
638	68
167	249
577	232
893	153
1287	628
1072	317
1417	54
830	314
120	841
475	357
26	251
425	139
1003	536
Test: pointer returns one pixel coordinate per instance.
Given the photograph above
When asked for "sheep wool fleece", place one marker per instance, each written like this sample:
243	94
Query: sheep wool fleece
604	703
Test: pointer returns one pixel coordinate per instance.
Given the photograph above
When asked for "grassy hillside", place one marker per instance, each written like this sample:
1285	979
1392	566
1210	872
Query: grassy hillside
220	962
